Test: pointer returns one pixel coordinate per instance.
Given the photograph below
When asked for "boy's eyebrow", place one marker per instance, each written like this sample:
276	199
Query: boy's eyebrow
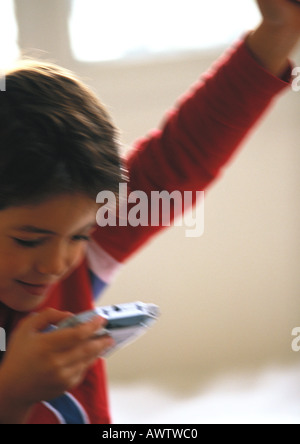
37	230
32	229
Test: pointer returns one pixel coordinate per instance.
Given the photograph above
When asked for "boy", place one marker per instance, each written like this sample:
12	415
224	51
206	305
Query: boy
58	151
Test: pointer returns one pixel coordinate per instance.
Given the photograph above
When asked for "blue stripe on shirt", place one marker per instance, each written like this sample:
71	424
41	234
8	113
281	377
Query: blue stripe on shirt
68	410
97	285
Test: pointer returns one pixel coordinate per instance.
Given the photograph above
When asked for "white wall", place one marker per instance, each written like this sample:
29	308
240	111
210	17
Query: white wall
229	299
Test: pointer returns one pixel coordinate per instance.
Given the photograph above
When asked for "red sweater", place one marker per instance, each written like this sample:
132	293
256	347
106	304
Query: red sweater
196	140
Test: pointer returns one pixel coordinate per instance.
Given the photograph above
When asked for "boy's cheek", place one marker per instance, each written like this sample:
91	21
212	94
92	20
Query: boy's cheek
12	267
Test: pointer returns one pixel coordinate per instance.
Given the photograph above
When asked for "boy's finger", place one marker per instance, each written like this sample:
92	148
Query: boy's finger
72	336
41	321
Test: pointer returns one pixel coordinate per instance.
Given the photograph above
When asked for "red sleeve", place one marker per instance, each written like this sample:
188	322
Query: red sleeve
197	139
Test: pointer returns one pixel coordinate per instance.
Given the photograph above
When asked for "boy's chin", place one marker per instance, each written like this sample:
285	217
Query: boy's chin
26	308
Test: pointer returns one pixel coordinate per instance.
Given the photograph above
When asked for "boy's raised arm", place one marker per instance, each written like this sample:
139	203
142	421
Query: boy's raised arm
211	121
202	133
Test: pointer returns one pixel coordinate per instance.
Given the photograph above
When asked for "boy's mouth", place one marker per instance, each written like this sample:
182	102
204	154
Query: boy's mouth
34	289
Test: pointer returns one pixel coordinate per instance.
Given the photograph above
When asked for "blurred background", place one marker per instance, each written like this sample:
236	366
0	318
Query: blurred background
221	352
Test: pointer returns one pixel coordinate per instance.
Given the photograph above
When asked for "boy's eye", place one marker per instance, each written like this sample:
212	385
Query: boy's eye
81	238
38	242
28	243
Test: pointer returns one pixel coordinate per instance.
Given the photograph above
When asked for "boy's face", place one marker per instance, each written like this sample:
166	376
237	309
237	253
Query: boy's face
40	245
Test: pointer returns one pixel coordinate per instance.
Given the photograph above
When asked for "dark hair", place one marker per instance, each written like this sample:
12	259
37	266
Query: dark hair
55	137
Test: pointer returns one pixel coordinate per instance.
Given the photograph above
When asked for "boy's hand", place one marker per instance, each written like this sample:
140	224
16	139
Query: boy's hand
41	366
274	40
281	13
